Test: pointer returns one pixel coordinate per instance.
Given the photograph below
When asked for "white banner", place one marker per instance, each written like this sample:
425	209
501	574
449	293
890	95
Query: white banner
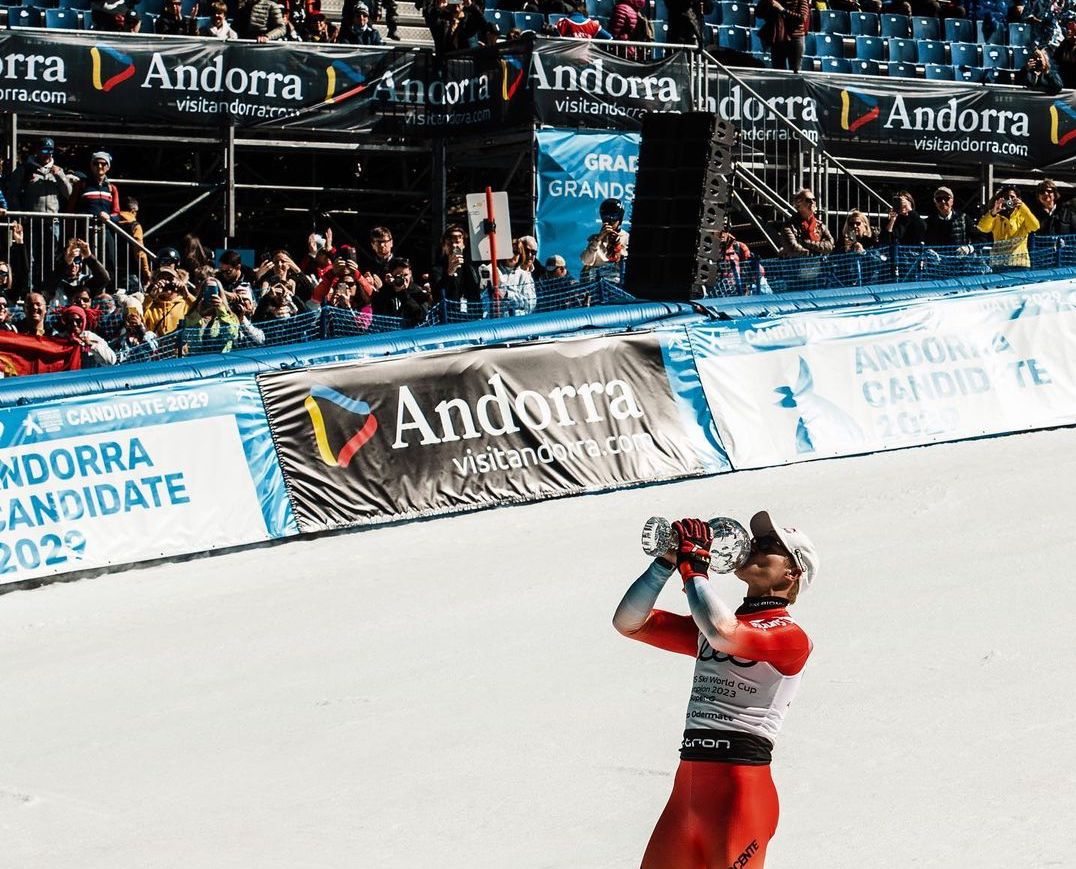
123	496
813	385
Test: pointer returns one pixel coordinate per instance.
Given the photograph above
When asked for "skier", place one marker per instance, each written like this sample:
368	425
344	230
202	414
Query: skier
723	808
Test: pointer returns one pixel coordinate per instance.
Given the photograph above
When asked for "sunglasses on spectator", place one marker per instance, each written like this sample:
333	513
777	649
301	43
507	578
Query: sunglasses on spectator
4	273
810	199
99	163
942	198
348	284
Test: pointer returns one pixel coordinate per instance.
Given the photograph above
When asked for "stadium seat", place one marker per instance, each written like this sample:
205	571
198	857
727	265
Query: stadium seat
939	72
25	16
896	26
602	9
870	48
833	21
970	73
964	54
1020	54
736	14
149	22
863	24
153	7
866	67
534	21
63	19
1000	76
505	21
188	7
756	42
764	58
995	37
959	30
75	4
202	22
836	64
996	57
1019	34
734	38
901	70
930	51
926	28
902	51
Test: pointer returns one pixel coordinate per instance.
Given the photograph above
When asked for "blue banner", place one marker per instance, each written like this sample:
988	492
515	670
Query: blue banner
576	171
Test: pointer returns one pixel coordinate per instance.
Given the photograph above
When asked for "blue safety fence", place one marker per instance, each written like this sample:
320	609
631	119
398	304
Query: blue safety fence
891	264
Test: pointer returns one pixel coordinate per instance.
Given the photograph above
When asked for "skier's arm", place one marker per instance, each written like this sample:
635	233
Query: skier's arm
785	646
636	617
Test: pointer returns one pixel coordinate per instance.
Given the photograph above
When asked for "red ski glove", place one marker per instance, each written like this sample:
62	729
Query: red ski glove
693	551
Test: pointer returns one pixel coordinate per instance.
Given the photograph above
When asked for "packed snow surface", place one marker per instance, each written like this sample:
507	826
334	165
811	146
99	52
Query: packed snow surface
451	693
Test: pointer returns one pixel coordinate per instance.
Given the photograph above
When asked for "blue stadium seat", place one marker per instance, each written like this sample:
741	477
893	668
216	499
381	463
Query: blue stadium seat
960	30
188	7
828	45
833	21
836	64
25	16
1019	34
1000	76
756	43
75	4
870	48
902	70
63	19
939	72
930	51
736	14
505	21
995	37
1020	54
149	22
554	17
902	51
764	58
866	67
964	54
970	73
153	7
896	26
996	57
734	38
529	20
863	23
87	19
602	8
926	28
202	22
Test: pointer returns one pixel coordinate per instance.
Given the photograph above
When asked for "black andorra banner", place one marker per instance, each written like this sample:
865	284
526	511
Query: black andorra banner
577	84
277	85
935	122
372	442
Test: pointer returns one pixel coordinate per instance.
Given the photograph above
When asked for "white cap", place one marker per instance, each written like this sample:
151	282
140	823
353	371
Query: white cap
804	555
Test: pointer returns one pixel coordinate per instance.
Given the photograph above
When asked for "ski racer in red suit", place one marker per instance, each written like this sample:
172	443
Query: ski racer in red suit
723	809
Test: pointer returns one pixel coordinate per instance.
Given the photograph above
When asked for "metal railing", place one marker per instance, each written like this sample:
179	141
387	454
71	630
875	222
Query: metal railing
44	247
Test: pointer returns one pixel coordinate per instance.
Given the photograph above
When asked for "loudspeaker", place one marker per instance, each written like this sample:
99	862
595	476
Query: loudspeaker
681	190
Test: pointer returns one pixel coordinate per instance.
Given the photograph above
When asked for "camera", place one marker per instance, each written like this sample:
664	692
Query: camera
457	249
1009	203
398	280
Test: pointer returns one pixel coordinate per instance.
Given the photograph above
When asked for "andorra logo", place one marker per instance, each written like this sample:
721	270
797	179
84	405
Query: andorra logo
105	56
1062	112
356	442
512	75
849	101
346	78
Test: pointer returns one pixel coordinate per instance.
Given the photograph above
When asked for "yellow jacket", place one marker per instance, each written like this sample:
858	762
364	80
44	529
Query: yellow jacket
1010	236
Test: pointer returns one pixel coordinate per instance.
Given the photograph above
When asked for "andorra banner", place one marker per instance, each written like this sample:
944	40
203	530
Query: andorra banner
123	477
276	85
872	117
835	383
382	440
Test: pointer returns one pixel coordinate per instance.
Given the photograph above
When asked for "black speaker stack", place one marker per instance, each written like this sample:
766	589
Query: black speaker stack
681	190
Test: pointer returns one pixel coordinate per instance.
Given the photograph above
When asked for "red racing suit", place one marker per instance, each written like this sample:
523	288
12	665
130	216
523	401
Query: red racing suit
723	809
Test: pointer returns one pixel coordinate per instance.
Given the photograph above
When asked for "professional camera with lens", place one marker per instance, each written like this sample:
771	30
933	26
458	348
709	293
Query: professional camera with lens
399	280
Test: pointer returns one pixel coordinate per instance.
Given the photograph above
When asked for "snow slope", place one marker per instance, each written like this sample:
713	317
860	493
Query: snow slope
451	693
